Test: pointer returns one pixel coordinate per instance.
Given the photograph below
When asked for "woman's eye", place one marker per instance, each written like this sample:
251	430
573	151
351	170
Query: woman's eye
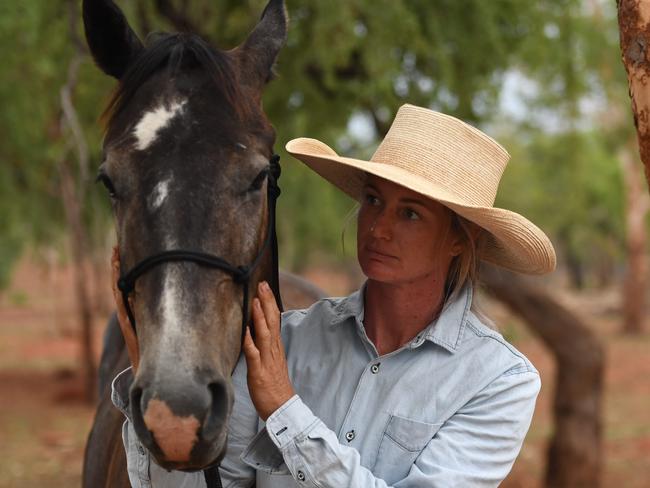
411	214
372	200
108	184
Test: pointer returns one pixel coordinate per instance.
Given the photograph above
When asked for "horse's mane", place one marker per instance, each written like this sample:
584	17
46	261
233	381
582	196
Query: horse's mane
174	52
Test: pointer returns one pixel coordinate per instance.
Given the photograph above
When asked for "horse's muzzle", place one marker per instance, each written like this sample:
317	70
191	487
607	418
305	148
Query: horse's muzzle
183	426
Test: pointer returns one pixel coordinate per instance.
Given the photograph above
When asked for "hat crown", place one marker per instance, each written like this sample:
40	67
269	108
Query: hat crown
445	151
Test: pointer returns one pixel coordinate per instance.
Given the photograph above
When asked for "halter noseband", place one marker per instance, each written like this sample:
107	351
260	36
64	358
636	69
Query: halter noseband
241	274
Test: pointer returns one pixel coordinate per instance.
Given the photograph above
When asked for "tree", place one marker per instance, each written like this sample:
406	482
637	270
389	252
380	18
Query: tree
633	21
634	37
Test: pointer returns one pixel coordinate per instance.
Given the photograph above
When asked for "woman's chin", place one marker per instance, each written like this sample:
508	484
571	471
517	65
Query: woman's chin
377	271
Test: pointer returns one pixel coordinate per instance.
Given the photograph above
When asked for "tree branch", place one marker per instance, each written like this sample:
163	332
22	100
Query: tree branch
70	117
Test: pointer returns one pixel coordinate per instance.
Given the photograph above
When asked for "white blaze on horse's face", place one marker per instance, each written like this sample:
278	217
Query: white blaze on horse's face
159	194
172	305
154	121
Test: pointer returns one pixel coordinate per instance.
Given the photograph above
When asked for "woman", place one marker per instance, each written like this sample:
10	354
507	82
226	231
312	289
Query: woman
400	383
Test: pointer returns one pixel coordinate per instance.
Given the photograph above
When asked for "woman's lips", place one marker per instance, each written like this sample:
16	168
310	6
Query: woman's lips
380	254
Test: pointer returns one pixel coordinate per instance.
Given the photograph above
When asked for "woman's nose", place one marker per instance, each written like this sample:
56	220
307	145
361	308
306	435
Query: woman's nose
381	227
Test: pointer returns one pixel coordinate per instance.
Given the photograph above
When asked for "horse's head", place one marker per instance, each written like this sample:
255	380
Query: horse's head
186	160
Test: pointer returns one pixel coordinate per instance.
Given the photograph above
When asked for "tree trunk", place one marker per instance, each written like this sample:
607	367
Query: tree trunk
633	19
102	298
78	241
72	192
575	452
636	210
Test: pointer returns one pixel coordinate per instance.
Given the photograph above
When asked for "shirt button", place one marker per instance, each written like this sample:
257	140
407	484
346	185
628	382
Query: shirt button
301	476
375	368
349	436
141	450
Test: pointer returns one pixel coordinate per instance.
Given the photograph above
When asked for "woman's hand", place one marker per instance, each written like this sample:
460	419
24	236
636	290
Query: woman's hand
125	324
268	377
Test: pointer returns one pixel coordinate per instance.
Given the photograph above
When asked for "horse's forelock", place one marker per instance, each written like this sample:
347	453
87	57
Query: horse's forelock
174	53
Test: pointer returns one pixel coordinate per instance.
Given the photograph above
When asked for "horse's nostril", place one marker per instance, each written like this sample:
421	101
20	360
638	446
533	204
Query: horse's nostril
138	421
136	398
216	417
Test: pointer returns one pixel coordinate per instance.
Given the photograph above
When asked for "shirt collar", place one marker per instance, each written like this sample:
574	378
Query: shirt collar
350	306
120	391
446	331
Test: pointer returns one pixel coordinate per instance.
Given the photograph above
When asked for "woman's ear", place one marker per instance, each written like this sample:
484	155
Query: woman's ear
471	233
456	248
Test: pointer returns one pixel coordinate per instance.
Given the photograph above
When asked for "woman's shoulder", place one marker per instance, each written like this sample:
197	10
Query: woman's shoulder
483	337
324	311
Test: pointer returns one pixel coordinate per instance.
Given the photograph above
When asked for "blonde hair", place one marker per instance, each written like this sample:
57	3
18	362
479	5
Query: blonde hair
464	267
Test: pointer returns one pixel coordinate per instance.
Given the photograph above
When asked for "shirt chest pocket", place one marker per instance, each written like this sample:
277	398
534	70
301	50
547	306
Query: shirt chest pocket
402	442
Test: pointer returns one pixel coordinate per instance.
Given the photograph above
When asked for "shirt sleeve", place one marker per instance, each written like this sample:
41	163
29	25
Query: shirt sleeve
476	447
242	427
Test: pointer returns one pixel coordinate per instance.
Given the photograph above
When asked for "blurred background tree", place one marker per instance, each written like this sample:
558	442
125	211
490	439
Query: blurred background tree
538	75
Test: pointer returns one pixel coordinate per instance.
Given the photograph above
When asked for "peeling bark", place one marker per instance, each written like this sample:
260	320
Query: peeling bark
634	26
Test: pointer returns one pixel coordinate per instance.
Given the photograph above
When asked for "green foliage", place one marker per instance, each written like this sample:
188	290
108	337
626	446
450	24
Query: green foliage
570	184
344	59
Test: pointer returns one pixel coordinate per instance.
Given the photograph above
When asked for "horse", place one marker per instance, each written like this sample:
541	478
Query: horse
189	166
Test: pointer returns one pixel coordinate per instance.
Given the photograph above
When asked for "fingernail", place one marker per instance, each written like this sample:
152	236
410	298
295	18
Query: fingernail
266	286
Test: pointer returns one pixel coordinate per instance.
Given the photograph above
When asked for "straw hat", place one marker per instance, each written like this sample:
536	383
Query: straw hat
449	161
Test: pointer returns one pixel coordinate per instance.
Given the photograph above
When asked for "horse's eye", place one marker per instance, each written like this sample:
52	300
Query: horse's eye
259	180
106	181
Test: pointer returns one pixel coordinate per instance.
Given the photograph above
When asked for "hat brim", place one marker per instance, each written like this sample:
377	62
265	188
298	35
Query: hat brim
513	241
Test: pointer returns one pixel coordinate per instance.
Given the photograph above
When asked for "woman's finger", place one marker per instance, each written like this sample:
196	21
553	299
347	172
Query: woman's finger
262	333
270	308
250	350
122	317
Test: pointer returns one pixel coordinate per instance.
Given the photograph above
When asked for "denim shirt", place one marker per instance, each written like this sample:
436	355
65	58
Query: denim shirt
449	408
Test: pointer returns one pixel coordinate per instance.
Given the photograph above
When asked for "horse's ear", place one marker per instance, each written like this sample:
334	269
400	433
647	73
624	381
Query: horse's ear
261	49
111	40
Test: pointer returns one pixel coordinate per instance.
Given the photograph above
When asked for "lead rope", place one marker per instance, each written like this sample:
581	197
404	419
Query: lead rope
212	475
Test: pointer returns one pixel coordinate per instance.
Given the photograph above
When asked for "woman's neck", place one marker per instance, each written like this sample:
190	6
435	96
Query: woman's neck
395	313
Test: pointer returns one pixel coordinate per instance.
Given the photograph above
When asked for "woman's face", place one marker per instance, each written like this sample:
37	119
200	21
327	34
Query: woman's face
403	237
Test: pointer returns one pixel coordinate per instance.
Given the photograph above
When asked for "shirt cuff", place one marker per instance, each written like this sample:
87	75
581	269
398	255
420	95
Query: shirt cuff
292	420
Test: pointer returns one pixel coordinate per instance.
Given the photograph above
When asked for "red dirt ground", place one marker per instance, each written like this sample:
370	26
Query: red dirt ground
43	421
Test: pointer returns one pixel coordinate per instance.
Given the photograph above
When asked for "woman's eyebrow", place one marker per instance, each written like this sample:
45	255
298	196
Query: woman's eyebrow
411	201
370	186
